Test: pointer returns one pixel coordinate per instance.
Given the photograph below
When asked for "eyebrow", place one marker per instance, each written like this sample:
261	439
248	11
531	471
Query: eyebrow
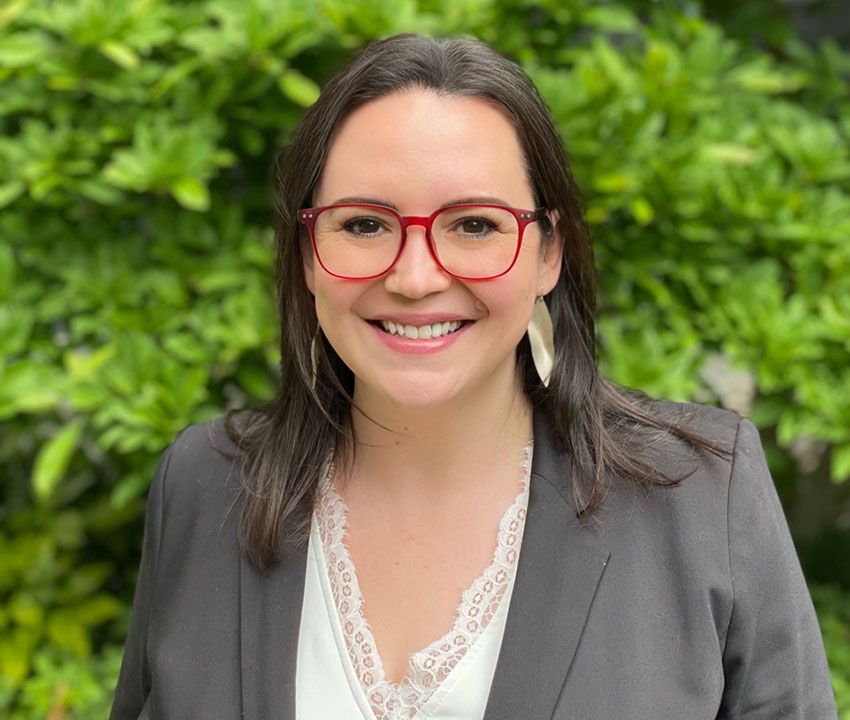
374	200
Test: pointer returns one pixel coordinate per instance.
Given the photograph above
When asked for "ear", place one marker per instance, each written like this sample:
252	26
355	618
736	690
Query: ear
552	253
308	262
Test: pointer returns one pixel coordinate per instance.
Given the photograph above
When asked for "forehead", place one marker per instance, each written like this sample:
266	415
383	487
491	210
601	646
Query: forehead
418	149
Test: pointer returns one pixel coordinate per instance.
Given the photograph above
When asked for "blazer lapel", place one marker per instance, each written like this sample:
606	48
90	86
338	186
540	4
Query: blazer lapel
560	566
270	615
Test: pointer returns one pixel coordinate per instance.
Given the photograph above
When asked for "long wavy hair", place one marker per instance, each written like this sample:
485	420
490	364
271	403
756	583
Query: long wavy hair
281	445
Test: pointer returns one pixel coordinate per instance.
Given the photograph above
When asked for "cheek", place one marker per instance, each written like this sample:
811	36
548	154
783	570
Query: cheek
510	304
327	308
334	301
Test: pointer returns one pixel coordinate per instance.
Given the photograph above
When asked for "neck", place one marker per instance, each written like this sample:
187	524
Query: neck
442	451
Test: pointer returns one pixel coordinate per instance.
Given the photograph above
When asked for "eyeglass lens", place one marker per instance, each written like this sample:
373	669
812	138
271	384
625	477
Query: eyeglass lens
469	241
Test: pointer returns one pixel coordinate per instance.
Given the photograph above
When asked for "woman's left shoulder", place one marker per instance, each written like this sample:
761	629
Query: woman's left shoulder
724	509
710	481
716	424
731	434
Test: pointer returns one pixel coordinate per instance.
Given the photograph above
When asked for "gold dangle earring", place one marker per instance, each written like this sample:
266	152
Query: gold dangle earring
314	357
541	337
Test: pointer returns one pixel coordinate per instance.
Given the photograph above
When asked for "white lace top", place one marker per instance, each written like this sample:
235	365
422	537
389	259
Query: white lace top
429	667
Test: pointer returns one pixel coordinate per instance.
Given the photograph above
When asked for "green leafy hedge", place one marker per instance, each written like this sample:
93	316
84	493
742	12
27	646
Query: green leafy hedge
136	286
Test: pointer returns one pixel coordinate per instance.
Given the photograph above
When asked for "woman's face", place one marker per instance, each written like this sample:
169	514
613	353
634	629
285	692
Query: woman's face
418	151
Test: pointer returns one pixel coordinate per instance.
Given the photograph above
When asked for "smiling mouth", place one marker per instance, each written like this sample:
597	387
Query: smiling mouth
411	332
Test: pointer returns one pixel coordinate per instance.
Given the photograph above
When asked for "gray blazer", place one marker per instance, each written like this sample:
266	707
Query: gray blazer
679	603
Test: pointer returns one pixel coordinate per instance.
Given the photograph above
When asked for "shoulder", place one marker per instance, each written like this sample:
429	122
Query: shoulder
716	424
720	497
675	456
199	470
204	442
734	435
697	507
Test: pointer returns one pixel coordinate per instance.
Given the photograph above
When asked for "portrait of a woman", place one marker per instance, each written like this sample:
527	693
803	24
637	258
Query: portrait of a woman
447	512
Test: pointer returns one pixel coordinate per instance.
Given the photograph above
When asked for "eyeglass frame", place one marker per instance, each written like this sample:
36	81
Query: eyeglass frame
308	217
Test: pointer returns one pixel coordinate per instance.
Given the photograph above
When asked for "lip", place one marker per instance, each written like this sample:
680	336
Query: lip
419	347
420	318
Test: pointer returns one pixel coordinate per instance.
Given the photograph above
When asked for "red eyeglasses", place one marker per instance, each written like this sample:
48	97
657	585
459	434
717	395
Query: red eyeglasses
360	241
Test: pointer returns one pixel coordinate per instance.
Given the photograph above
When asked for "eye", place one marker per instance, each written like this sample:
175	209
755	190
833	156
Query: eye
363	226
475	225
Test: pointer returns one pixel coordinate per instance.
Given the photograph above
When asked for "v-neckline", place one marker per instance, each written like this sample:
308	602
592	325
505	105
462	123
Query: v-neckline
428	667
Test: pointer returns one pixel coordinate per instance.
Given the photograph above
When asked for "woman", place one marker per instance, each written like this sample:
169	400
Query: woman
438	517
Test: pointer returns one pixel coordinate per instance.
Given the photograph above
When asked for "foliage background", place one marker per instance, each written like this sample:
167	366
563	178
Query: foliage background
136	287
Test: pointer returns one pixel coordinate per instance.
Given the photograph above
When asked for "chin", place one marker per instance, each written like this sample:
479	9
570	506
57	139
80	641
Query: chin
415	393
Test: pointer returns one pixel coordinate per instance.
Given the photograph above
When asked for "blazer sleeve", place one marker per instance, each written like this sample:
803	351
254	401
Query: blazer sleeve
774	661
131	691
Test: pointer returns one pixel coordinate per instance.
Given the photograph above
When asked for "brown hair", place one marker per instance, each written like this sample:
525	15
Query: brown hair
281	444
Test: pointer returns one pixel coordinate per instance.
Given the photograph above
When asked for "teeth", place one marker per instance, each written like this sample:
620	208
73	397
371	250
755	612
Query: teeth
413	332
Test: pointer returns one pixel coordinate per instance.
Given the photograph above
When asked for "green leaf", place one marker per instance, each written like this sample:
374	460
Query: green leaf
66	631
840	465
11	10
642	211
120	54
53	458
28	387
730	153
85	365
191	194
97	610
16	323
10	191
131	486
298	88
23	49
613	182
25	610
759	77
15	654
8	268
611	17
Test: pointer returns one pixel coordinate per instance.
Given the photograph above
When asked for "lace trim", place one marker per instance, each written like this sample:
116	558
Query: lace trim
427	668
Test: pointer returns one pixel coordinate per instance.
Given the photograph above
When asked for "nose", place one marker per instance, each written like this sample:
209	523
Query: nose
416	272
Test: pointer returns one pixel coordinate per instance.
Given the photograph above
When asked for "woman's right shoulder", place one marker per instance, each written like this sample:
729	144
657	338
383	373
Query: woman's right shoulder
199	472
